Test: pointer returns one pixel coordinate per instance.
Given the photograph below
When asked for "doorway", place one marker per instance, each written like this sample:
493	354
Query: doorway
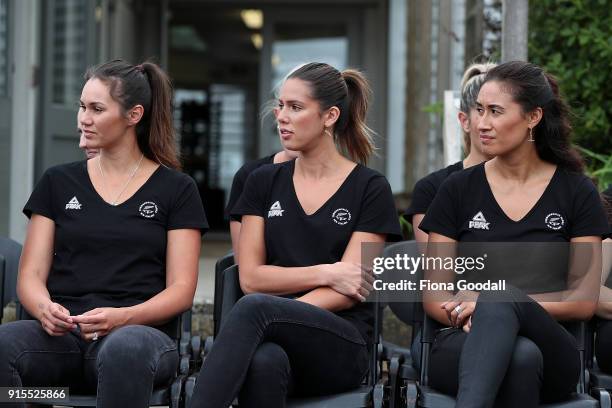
225	61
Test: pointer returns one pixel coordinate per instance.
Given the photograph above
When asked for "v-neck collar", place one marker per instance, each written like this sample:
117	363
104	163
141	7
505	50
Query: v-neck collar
297	200
499	207
93	188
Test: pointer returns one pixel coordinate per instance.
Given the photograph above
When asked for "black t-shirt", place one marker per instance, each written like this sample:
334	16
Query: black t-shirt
240	179
363	202
466	210
112	256
426	188
607	194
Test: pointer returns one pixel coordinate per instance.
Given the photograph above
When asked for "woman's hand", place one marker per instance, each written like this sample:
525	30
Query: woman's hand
350	279
467	326
460	308
56	319
100	322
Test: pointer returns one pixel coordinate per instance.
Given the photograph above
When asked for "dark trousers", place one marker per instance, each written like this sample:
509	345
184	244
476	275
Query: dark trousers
603	345
515	355
270	346
123	367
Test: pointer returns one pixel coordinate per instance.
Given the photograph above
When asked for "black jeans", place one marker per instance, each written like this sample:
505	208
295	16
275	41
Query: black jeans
123	367
515	355
271	346
603	345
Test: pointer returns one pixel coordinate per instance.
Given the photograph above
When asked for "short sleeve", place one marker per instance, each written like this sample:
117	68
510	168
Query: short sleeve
442	216
422	196
378	213
236	191
187	211
252	200
607	194
588	216
40	201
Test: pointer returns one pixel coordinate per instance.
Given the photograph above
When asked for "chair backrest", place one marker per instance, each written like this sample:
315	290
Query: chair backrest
230	292
2	263
11	251
409	312
221	265
375	350
430	326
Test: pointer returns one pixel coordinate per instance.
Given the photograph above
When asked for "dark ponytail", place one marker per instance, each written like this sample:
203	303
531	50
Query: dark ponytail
531	88
356	137
350	92
147	85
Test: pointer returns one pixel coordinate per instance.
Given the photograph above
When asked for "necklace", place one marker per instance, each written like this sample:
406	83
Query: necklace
114	202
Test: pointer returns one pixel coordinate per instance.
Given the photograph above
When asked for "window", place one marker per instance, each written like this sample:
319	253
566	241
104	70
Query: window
69	39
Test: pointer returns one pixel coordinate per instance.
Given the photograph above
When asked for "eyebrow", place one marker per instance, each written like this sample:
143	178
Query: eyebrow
91	103
491	106
291	101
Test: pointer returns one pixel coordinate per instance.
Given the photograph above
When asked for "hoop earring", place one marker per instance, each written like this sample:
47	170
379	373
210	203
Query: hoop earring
328	132
531	139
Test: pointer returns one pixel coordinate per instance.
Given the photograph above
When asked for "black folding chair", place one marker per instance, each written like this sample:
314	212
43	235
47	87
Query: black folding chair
403	369
222	264
600	382
371	393
428	397
2	267
600	386
192	345
10	251
171	395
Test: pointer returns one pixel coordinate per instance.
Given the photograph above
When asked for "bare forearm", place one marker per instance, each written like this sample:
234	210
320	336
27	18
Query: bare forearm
576	310
419	235
604	306
33	295
162	307
276	280
435	311
328	299
235	227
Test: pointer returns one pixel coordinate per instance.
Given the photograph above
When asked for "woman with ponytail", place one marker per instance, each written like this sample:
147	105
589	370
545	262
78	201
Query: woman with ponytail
426	188
111	254
301	328
507	348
